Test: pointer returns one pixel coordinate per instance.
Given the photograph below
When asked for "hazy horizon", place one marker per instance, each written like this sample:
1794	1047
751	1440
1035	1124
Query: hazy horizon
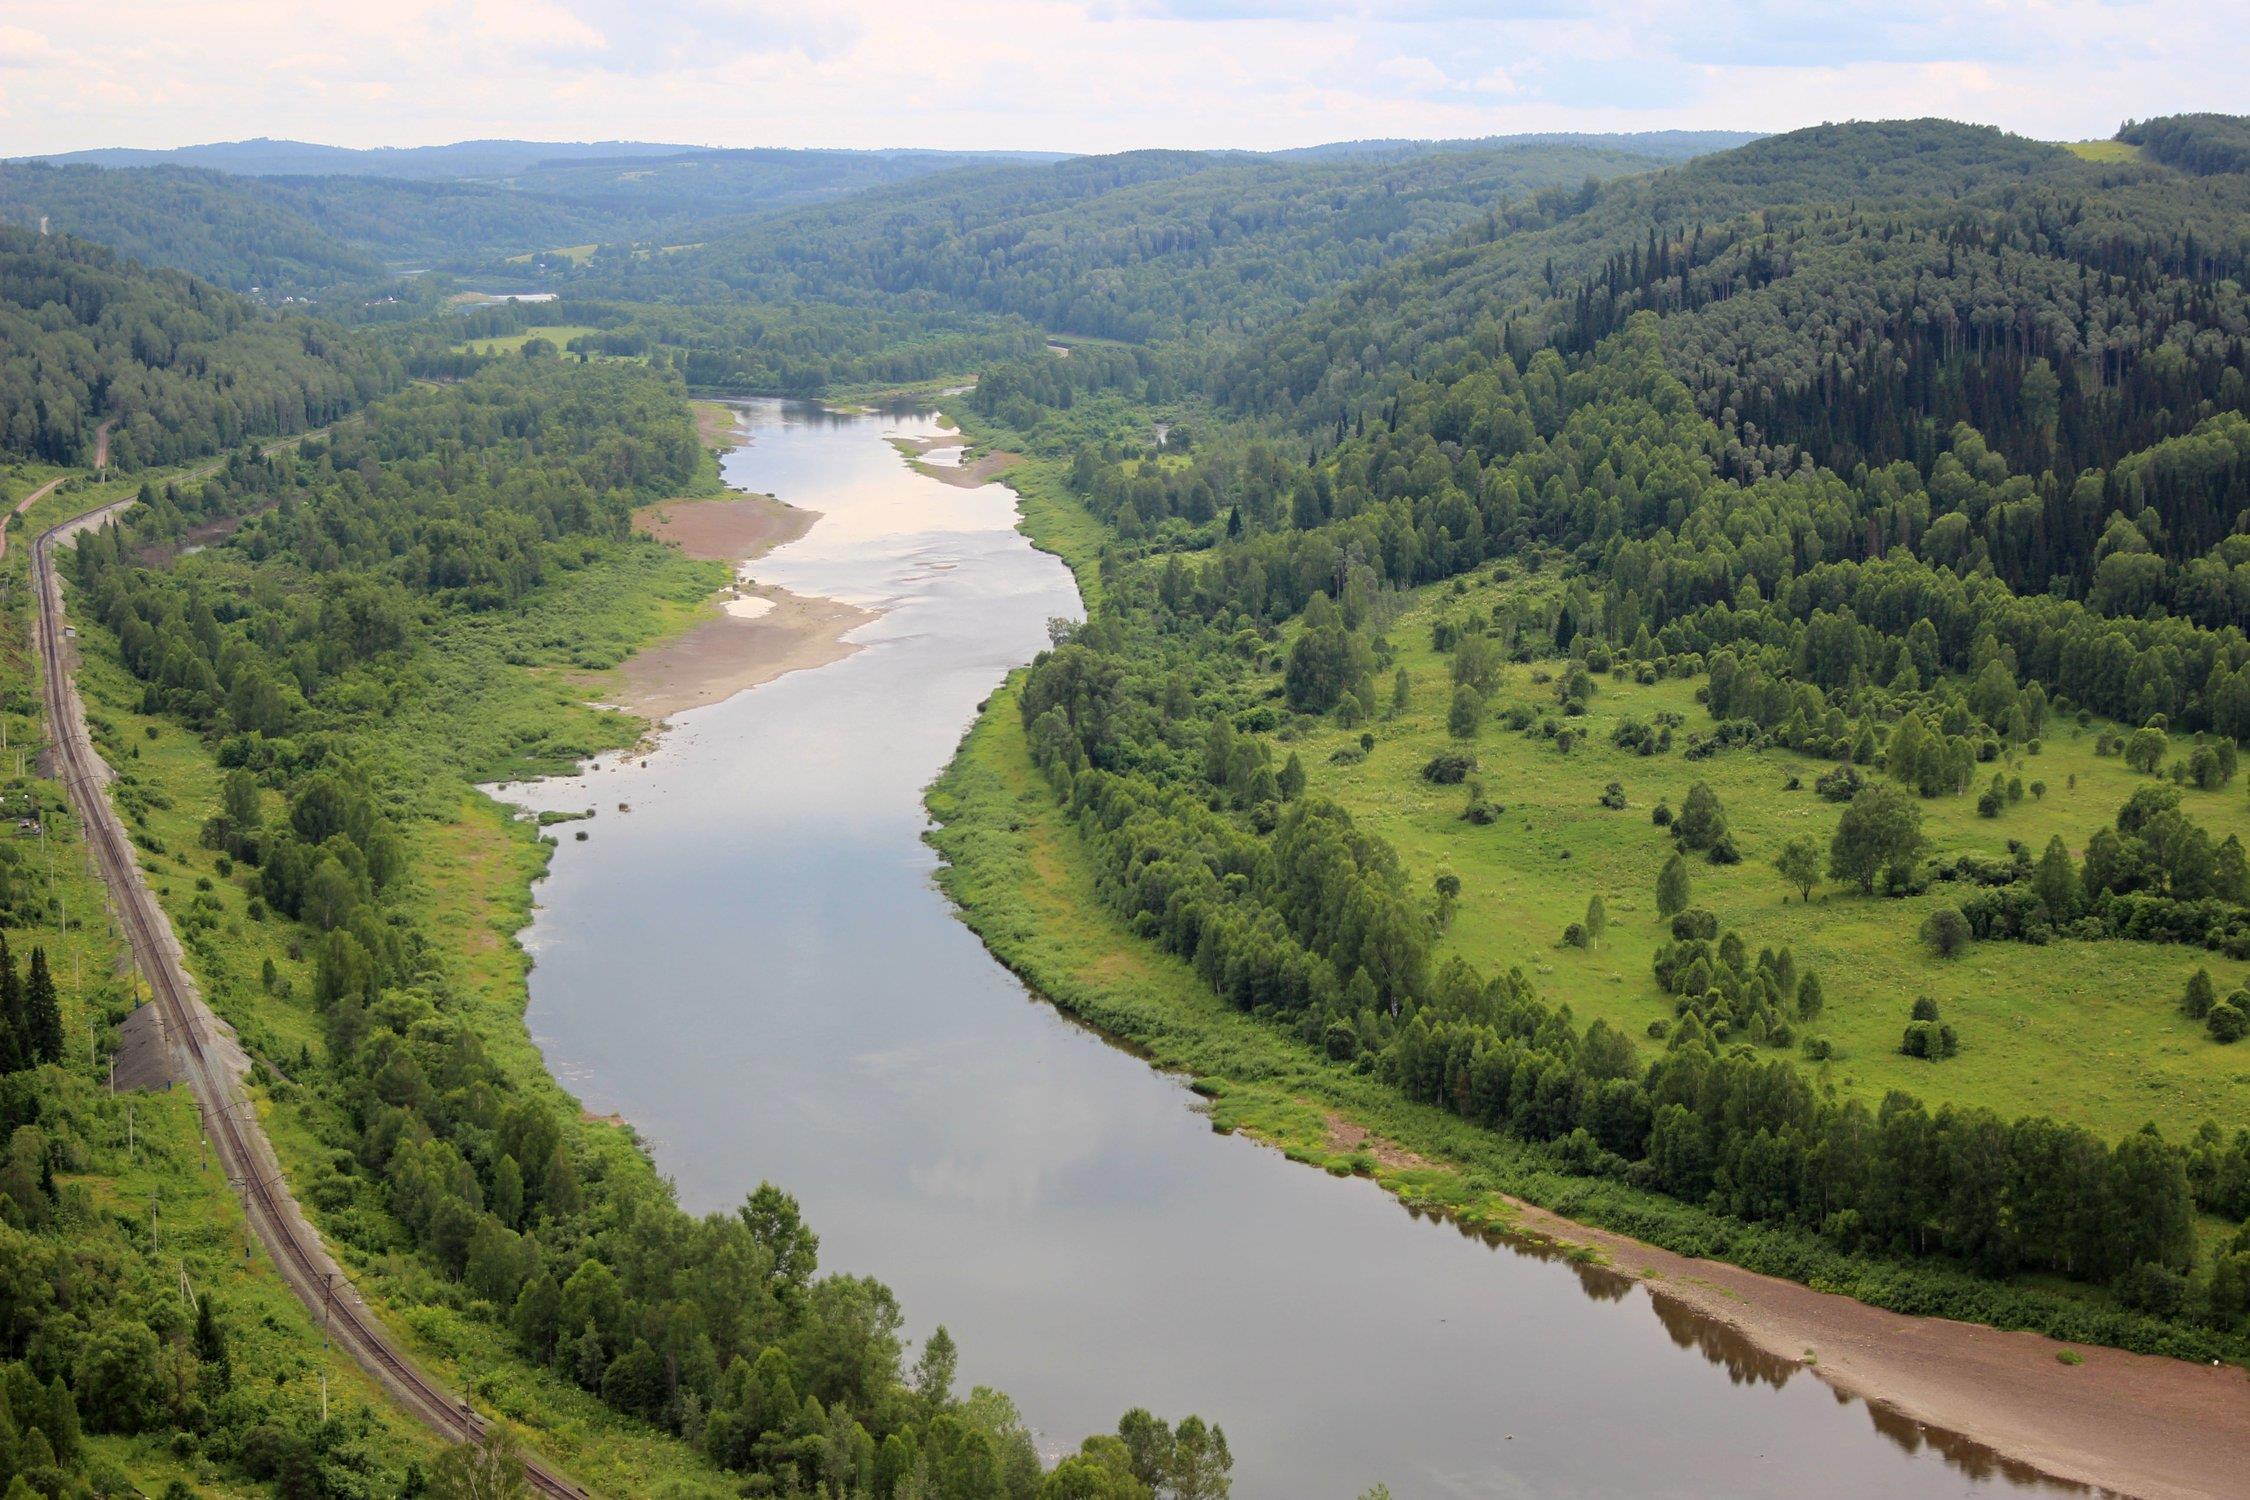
1090	77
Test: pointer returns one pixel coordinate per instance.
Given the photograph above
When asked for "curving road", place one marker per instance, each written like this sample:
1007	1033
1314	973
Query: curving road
206	1051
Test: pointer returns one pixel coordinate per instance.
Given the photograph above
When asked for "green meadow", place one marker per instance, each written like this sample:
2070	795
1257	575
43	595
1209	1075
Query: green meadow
559	334
2085	1031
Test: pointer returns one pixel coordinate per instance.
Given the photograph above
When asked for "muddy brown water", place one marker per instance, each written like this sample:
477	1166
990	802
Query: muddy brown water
754	967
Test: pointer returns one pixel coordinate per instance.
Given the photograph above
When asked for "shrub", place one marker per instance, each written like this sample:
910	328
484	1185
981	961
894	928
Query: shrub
1449	767
1702	823
1818	1049
1945	931
1467	712
1926	1036
2152	1288
2229	1021
1927	1040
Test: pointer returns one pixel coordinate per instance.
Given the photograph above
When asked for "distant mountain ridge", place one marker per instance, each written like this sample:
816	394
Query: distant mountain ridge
264	157
284	218
1661	145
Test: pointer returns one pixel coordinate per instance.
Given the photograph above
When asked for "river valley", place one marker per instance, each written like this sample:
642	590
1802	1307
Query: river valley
753	967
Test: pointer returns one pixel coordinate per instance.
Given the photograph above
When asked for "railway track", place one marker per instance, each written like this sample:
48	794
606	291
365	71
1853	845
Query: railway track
212	1064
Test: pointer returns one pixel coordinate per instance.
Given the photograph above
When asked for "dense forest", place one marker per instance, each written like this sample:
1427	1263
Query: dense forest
1899	440
198	222
173	366
1146	245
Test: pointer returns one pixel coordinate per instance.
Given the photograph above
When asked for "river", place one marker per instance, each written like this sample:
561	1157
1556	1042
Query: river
754	967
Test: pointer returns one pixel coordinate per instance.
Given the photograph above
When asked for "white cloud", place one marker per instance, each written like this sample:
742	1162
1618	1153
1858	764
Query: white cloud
20	48
1089	75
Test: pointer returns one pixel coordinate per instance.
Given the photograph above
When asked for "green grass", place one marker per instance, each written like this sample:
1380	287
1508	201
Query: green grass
2087	1032
1055	521
1024	882
559	334
2103	151
577	255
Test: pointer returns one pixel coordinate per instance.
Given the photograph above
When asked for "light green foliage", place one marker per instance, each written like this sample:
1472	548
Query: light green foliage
2041	999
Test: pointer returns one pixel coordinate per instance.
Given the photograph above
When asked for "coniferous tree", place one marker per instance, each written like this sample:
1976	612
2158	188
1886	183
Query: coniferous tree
1672	888
42	1013
15	1040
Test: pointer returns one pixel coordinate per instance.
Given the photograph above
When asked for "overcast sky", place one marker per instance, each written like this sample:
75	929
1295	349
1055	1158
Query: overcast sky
1084	75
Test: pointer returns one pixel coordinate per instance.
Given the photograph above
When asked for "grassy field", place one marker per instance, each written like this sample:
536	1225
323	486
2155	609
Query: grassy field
559	334
2103	151
577	255
2089	1032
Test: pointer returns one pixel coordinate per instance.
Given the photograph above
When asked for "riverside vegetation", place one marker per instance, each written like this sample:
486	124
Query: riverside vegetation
1728	523
301	663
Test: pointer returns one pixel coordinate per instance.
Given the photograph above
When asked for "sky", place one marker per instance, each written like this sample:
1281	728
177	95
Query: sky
1086	75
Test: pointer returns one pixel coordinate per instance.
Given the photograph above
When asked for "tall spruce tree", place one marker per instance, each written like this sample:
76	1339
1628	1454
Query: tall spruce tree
42	1014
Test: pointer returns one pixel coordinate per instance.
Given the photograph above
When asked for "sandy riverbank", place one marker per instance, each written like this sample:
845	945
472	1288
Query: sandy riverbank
968	474
717	425
2135	1424
734	528
754	633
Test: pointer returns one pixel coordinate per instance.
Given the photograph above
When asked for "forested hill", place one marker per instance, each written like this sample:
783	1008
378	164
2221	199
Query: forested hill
1142	246
264	157
1661	145
307	220
1540	248
1871	465
2194	143
180	367
201	222
1847	293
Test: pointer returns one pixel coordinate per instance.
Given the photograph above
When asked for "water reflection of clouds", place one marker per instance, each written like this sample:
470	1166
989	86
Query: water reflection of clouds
769	900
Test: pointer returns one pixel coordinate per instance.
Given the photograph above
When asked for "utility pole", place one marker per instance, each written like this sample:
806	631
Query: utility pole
242	1186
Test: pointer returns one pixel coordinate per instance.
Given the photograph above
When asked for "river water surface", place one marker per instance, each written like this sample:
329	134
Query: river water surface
754	967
